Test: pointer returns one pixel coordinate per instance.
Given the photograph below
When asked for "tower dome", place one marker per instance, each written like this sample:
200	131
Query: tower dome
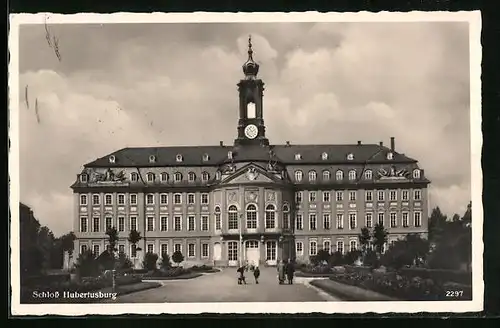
250	67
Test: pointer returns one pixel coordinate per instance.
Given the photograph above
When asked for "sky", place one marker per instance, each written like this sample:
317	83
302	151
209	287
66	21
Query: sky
120	85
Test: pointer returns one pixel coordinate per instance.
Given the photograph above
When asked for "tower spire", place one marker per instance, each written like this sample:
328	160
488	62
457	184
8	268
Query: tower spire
250	51
250	67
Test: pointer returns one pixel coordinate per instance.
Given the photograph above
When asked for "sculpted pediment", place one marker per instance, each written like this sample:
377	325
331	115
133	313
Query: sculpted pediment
250	174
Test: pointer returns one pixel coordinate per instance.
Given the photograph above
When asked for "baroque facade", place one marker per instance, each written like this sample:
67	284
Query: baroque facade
249	201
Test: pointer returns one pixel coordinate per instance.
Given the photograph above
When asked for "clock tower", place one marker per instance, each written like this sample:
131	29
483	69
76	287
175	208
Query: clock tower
251	129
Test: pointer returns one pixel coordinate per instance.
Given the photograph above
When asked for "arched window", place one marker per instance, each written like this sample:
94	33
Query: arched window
232	218
326	175
312	175
83	177
416	174
339	175
368	174
286	217
298	175
270	217
134	176
151	177
352	175
164	176
178	176
251	216
205	176
218	221
191	177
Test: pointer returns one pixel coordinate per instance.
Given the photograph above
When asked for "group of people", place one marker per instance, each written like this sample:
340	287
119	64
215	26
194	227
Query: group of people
286	270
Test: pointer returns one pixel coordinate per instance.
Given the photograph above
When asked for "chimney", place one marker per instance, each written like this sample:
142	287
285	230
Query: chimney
393	146
359	142
221	143
288	143
381	144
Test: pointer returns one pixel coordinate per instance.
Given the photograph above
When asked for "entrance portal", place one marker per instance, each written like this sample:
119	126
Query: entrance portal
271	250
217	252
232	253
252	252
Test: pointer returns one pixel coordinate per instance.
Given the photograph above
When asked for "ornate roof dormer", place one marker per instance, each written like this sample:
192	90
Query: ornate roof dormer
250	67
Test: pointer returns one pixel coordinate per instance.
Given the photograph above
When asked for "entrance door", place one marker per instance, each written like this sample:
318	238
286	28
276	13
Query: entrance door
252	253
232	253
217	252
271	249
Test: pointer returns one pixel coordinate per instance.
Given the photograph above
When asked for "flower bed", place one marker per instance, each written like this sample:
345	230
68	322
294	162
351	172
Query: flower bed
179	273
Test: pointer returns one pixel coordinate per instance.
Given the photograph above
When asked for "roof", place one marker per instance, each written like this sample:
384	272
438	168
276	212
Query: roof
286	154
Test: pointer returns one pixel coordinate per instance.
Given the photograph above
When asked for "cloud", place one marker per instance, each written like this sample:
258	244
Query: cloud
175	84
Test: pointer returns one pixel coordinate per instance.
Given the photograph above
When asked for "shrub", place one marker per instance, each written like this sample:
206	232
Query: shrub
124	262
177	257
438	275
165	262
87	265
150	260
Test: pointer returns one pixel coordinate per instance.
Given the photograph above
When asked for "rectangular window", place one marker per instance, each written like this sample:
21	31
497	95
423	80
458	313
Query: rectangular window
178	247
313	247
121	249
404	195
151	248
380	195
340	246
177	223
177	199
133	199
340	221
150	223
339	196
298	197
326	196
393	195
417	218
121	224
299	248
312	221
191	223
83	224
96	199
164	249
96	250
204	250
353	245
190	199
312	197
286	220
108	199
164	223
369	220
327	246
109	223
83	199
299	224
133	251
394	220
352	221
381	218
204	199
352	195
133	223
405	220
150	199
121	199
218	220
369	196
163	199
191	252
204	223
95	226
417	194
326	221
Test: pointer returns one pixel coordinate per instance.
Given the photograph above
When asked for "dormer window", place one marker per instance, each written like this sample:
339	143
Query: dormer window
390	156
339	175
312	175
350	156
191	177
368	174
326	175
416	174
206	157
112	159
324	156
178	158
205	176
152	159
229	155
164	176
298	157
352	175
177	176
134	177
151	177
218	175
83	177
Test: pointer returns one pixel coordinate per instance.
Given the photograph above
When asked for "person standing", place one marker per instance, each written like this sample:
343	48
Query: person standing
290	270
256	274
241	277
281	272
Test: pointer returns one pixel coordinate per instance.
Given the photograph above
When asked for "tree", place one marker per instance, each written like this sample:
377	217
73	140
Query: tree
149	262
379	237
351	257
134	237
112	234
123	262
177	257
437	221
405	252
68	244
87	265
165	261
46	242
364	239
322	256
336	259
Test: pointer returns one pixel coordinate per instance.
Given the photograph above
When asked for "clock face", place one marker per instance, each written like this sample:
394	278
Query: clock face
251	131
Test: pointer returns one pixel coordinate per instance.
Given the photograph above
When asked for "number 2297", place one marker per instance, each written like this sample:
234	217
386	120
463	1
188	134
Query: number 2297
454	293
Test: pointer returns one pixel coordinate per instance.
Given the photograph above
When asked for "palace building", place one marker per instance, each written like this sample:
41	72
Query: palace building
250	201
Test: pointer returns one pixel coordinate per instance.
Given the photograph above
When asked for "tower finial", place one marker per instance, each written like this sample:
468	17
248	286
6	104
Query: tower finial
250	68
250	51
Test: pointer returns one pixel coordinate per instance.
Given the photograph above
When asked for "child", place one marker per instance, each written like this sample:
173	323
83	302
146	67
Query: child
256	274
241	277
